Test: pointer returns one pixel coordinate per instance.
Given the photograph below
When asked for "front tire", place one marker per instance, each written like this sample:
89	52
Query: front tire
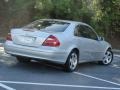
72	61
108	58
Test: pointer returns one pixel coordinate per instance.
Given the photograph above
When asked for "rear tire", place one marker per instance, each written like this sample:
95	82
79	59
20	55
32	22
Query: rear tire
72	61
23	59
108	58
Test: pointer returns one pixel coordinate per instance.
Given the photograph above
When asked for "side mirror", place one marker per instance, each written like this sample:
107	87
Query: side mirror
100	38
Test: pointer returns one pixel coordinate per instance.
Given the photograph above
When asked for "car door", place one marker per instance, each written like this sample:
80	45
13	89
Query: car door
88	44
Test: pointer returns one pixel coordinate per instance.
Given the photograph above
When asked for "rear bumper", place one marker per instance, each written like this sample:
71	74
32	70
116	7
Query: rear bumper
32	52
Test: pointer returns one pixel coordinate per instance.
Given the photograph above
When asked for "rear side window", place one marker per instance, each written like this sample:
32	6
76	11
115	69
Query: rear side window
48	26
89	33
85	31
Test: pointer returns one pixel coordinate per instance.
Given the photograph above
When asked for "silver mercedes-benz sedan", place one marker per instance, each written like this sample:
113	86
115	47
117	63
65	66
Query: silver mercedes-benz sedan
62	41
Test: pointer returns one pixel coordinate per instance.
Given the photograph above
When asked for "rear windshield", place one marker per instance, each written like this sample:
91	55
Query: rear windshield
48	26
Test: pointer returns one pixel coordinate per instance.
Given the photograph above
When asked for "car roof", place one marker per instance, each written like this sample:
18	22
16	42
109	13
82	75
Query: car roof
67	21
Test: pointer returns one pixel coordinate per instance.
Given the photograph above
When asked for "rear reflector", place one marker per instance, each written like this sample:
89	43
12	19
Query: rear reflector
9	38
51	41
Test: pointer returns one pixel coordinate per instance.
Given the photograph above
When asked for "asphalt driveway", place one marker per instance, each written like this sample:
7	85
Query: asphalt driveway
49	76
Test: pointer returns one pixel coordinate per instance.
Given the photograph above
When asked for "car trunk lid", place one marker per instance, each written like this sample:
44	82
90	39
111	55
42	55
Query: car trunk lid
28	37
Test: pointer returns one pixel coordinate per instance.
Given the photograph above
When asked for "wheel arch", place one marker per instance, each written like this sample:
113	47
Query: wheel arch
72	49
77	50
108	48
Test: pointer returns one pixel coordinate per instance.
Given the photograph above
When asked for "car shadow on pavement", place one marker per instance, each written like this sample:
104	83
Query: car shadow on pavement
47	66
42	65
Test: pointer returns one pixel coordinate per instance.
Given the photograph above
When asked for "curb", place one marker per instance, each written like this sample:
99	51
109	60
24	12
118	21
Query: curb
2	40
115	51
1	44
117	55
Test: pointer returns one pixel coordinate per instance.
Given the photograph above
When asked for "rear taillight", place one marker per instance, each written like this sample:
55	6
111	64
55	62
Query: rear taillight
9	38
51	41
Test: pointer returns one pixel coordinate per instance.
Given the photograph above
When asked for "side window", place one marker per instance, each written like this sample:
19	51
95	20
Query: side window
91	33
81	31
85	31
